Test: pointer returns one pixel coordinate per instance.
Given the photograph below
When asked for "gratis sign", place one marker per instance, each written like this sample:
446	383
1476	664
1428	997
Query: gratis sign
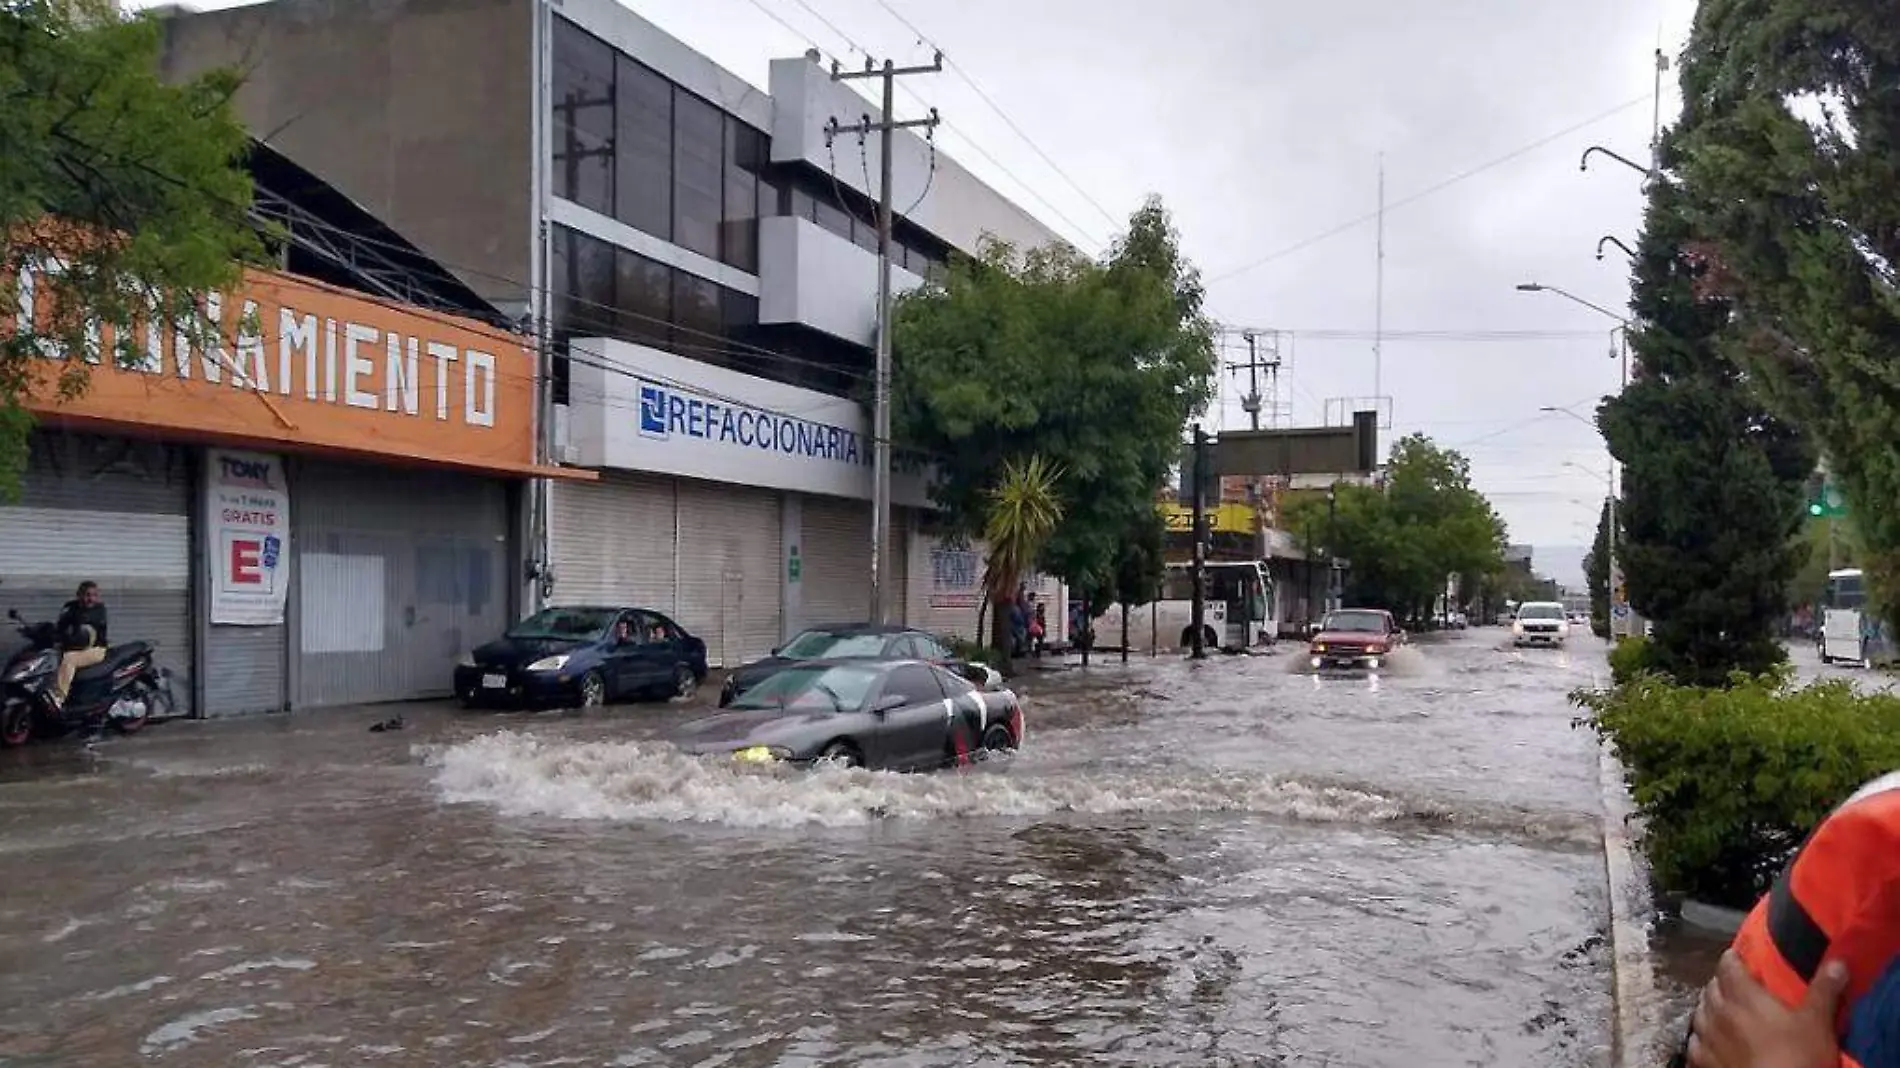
248	527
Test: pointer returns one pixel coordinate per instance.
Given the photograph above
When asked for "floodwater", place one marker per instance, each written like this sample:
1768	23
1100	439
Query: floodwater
1217	863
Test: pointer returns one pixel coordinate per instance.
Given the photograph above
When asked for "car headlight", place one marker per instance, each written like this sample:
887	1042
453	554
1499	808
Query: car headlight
550	663
468	660
1517	628
761	754
1375	650
1319	647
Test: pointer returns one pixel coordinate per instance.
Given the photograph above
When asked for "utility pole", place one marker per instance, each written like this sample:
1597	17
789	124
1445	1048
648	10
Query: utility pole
1197	620
1253	402
1378	300
881	422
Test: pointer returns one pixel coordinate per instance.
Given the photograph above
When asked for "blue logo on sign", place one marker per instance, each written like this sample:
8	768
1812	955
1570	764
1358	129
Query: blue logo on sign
272	544
666	413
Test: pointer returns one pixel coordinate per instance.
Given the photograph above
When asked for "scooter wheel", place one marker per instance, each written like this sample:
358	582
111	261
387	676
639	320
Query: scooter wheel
16	725
134	724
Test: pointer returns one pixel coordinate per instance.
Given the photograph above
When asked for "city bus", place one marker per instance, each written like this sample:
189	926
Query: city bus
1239	615
1842	637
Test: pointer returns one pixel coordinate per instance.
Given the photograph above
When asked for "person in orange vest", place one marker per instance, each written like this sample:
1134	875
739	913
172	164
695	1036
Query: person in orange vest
1812	979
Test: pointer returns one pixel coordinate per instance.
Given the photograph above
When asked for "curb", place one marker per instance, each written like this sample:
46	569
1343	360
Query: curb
1633	988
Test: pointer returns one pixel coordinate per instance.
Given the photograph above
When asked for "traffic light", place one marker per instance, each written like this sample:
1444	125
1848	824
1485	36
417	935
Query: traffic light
1827	502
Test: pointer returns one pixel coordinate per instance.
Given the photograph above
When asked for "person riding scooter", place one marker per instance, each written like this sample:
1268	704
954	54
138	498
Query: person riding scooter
81	631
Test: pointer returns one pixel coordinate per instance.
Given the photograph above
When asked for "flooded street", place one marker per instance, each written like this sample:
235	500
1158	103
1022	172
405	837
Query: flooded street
1227	862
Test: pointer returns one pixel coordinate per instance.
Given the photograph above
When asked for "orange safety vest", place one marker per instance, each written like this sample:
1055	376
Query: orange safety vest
1839	898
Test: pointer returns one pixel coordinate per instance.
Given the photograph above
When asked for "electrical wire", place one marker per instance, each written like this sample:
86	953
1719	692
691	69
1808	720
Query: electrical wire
957	69
1430	190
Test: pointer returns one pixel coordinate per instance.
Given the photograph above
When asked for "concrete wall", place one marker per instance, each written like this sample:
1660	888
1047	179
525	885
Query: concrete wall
419	110
809	275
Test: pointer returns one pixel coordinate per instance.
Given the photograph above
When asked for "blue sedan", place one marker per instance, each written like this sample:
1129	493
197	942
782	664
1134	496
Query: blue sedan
584	656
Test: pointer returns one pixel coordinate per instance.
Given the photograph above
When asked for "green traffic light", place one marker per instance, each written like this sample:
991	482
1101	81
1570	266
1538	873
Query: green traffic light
1816	508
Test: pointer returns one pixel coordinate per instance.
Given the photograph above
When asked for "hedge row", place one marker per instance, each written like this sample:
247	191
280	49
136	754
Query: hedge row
1729	781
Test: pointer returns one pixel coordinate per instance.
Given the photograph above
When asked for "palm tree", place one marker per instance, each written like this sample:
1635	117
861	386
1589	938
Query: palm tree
1024	511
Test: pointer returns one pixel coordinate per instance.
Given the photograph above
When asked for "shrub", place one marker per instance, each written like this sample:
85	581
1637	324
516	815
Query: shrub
1729	780
1629	658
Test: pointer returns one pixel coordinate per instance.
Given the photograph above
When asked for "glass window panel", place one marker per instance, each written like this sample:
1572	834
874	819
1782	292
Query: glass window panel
827	212
644	142
645	290
699	136
697	328
591	278
582	123
739	244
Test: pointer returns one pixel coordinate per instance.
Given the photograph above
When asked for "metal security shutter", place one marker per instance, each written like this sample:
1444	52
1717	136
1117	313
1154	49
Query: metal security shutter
960	594
115	511
833	535
398	572
897	566
613	541
244	668
729	574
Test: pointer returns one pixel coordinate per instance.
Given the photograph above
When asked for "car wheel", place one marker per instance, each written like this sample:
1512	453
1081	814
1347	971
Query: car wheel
843	753
593	690
685	683
998	739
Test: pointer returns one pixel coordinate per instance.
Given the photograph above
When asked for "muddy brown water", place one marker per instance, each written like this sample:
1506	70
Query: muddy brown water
1226	862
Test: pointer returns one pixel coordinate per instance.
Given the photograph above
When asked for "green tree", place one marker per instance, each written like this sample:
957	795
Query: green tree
1596	575
1403	540
1792	112
1095	367
1712	482
120	198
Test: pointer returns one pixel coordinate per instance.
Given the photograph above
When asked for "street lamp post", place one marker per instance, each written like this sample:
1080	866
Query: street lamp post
1619	348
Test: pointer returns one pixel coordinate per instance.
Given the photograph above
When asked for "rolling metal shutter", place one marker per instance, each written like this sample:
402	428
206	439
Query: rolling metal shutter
399	572
730	586
837	579
116	511
245	666
614	541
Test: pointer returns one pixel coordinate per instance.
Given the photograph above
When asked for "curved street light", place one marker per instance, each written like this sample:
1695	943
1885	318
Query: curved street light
1611	239
1584	165
1539	287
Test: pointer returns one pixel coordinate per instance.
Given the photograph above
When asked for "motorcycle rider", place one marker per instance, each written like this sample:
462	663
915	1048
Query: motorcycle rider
81	631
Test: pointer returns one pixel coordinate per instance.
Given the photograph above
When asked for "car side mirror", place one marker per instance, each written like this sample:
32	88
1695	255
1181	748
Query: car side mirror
888	703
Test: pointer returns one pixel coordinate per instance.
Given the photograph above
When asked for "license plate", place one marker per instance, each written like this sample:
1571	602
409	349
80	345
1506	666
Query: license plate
494	682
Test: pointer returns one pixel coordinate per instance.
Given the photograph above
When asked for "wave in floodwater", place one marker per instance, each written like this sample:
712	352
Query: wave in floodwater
1400	663
523	775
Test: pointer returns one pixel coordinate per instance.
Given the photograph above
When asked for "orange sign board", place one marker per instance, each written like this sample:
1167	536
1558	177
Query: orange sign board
299	363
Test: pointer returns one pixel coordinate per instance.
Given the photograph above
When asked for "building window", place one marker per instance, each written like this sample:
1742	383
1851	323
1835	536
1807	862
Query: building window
643	196
739	234
699	142
829	214
582	123
645	293
698	330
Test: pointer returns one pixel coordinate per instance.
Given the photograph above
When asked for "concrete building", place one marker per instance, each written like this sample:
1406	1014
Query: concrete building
704	260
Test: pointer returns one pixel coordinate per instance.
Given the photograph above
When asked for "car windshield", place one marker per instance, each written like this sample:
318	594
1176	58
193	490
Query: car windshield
1540	611
570	624
1357	622
833	688
826	644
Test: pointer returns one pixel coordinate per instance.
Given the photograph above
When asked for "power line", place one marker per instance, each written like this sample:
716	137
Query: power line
1429	190
1084	232
969	80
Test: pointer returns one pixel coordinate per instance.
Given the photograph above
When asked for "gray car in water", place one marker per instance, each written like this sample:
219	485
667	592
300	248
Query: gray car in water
901	715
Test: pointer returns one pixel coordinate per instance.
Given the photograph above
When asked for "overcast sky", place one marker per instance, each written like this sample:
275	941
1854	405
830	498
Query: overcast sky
1261	124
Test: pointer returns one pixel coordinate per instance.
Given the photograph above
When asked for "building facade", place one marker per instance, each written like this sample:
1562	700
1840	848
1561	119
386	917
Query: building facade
703	259
321	507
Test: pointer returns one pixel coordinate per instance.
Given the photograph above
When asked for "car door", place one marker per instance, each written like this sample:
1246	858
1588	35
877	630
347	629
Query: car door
651	666
622	658
913	734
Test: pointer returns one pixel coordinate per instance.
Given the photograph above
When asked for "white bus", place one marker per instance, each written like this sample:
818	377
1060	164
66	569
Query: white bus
1840	617
1239	614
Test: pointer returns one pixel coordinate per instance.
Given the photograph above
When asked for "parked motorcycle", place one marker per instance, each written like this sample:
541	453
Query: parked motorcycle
126	688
